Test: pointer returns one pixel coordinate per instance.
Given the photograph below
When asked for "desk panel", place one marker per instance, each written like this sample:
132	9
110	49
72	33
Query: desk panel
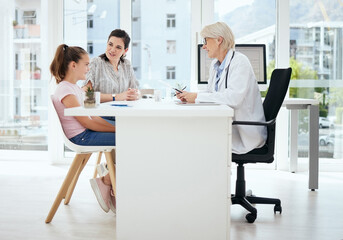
173	170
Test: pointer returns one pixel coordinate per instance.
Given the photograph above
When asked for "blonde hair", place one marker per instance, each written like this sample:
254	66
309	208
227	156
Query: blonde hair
220	29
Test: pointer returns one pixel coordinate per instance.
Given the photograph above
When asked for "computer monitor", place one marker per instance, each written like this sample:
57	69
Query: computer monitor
255	52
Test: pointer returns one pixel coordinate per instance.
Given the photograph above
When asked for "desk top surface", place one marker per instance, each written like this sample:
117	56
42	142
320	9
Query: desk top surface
150	108
300	101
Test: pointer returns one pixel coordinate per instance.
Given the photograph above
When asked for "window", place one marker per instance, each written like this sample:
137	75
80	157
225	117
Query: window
29	17
17	105
16	18
90	47
34	104
87	24
149	60
171	21
90	21
171	72
171	46
318	62
16	67
23	99
261	31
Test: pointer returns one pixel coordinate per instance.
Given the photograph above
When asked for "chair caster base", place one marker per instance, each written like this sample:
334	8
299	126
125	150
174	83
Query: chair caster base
250	217
277	208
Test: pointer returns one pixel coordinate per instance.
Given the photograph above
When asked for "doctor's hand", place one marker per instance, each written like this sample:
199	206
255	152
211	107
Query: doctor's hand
187	96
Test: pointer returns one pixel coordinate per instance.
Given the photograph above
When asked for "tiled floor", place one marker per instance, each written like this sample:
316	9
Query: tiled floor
28	189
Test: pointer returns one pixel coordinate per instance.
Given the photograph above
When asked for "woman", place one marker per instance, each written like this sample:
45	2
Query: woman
112	74
231	82
70	64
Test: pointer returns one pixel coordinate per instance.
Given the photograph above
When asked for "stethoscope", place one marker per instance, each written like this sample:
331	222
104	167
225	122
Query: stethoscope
227	71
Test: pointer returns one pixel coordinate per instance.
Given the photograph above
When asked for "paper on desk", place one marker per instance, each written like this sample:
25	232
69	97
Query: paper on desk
166	84
178	102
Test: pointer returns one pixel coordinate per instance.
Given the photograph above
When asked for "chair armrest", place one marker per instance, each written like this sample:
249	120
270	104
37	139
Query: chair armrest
268	123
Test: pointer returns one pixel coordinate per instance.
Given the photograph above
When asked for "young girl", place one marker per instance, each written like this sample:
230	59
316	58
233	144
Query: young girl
70	64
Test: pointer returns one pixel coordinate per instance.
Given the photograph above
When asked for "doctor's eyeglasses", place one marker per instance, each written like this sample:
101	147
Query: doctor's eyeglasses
204	41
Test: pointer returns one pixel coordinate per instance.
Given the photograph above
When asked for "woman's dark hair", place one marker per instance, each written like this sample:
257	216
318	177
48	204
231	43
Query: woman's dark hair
119	34
63	56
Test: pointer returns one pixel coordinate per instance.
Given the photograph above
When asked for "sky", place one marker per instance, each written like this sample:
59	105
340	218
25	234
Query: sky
226	6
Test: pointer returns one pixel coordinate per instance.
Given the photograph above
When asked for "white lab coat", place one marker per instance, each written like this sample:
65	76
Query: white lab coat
243	95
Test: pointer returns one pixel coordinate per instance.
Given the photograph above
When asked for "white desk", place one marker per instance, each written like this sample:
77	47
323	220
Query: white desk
294	105
173	170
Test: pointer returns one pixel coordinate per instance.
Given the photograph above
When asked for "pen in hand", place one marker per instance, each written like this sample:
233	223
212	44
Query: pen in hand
179	91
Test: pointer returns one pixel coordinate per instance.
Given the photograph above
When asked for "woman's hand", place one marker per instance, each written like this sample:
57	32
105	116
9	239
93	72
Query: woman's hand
187	96
130	95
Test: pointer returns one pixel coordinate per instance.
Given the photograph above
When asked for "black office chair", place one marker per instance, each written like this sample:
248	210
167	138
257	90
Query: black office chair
271	105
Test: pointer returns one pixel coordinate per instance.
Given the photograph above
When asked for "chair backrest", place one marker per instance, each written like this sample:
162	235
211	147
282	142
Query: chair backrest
271	105
72	146
277	90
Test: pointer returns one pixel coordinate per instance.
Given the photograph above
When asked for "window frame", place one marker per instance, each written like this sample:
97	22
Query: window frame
171	20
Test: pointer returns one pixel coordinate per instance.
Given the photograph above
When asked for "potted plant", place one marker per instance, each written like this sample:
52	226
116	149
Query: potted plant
89	101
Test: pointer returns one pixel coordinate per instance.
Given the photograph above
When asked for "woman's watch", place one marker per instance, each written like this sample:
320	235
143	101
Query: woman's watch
113	97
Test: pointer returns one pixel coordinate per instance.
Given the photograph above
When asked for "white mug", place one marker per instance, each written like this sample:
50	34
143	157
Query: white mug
97	98
157	95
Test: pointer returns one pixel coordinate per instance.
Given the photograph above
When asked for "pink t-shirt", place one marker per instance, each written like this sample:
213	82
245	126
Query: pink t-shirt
70	125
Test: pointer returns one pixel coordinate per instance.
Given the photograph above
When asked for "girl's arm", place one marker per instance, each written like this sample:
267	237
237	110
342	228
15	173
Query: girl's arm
94	123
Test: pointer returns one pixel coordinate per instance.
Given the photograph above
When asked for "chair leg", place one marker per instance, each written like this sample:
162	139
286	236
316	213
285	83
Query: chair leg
97	162
76	178
263	200
240	197
112	170
65	185
244	202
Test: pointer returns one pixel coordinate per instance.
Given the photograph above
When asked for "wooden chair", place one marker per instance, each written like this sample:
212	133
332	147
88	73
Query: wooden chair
83	153
98	160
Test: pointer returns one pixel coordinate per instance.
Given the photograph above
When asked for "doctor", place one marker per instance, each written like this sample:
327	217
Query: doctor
231	82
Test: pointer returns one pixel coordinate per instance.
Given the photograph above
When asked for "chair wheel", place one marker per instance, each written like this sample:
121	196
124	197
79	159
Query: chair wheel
277	208
250	217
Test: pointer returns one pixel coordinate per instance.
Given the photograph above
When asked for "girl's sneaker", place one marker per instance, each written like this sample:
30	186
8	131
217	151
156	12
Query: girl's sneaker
102	169
102	193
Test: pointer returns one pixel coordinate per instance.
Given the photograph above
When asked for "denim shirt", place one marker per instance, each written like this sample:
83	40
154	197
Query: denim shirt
219	69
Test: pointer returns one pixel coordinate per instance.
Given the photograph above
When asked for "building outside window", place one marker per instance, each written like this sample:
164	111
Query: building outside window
147	56
318	61
23	94
316	36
